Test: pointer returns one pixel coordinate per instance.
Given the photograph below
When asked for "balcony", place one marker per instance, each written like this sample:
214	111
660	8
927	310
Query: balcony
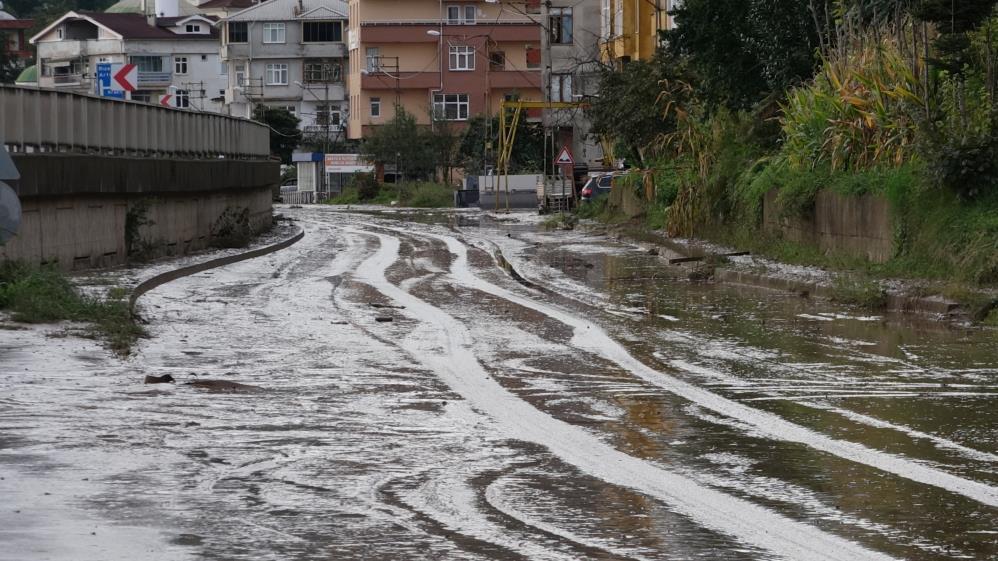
335	92
155	78
321	129
416	32
67	79
408	81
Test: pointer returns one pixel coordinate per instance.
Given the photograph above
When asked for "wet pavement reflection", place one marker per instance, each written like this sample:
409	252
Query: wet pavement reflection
357	447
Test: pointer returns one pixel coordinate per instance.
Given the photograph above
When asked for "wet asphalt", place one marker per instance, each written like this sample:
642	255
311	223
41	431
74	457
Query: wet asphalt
413	400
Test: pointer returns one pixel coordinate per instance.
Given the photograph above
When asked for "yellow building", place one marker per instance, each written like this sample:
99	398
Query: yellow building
630	27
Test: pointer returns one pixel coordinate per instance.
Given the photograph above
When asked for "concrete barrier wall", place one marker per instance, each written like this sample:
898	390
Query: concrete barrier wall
76	208
54	121
89	231
855	225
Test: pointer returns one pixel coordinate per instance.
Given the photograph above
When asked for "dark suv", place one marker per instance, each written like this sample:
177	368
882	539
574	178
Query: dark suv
597	186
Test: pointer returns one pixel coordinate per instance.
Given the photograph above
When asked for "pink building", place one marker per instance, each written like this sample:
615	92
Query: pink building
454	59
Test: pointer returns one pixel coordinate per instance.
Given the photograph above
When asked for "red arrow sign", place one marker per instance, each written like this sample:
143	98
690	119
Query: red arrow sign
127	77
166	100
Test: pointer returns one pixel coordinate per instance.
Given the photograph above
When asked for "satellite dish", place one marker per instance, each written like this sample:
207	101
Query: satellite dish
10	213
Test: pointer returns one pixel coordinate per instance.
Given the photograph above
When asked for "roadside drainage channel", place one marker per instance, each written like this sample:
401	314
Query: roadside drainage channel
169	276
894	302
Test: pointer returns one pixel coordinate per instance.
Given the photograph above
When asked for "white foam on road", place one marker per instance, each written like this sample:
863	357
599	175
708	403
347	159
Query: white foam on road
449	354
590	337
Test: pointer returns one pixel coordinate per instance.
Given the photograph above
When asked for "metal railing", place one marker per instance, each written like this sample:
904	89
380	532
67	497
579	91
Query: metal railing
34	120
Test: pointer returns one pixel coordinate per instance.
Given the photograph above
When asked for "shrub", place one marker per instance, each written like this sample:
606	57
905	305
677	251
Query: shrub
430	195
858	291
232	228
365	184
43	295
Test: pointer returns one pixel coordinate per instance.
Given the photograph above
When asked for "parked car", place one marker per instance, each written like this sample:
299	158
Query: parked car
597	186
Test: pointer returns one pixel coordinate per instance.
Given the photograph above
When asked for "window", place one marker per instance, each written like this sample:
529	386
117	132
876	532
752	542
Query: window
375	107
451	107
561	87
497	60
560	23
273	33
147	63
533	57
183	99
180	65
59	33
277	74
240	74
462	58
321	71
462	15
238	32
193	28
326	116
322	31
373	59
145	96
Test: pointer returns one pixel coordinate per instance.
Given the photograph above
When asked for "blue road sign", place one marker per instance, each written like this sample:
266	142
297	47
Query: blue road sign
104	82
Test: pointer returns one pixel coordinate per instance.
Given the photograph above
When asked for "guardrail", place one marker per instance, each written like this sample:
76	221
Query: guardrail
34	120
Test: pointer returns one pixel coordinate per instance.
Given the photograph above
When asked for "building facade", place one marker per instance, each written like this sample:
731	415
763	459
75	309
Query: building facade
289	54
448	60
630	28
177	56
571	47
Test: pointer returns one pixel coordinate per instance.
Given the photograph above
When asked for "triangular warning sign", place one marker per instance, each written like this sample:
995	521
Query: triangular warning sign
564	157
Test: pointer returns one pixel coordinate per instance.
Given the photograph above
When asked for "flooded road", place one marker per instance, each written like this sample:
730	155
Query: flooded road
413	400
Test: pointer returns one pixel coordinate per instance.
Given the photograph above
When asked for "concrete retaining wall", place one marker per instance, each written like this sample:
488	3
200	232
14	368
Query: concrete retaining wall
627	201
856	225
88	231
76	207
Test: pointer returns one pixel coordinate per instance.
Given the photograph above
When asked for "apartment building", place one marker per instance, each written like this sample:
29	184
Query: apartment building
431	57
290	54
176	55
630	27
571	59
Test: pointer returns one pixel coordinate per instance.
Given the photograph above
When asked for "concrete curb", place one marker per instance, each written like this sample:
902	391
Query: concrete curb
163	278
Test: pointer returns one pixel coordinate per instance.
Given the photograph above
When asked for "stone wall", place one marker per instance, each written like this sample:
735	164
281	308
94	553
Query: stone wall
854	225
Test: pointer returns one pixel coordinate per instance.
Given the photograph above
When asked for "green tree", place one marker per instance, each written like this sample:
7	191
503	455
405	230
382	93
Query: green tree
444	141
742	51
527	155
627	106
401	140
284	133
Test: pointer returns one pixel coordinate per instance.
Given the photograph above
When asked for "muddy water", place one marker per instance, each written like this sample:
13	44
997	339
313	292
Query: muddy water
612	409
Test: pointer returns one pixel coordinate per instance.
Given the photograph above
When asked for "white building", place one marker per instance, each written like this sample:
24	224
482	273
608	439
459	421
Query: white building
289	54
176	54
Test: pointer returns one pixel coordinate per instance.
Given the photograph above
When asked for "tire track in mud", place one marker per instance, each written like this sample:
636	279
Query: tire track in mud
596	340
446	350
